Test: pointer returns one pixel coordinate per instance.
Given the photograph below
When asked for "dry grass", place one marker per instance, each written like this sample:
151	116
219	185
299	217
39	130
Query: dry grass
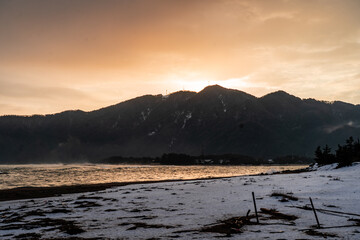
285	196
229	226
278	215
319	234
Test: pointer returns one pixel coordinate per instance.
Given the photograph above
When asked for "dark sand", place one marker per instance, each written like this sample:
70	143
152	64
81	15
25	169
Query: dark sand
44	192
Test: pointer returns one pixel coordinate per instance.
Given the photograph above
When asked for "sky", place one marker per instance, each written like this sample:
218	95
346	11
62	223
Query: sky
87	54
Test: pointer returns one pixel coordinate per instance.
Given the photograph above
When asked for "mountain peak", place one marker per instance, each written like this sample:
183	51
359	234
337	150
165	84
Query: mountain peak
218	93
217	89
279	95
214	88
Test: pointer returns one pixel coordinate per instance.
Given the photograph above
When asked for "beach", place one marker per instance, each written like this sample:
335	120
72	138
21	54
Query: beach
45	192
197	209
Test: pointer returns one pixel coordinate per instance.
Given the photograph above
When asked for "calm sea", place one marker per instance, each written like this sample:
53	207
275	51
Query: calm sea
41	175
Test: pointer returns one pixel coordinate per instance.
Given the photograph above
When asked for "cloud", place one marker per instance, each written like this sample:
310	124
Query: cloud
106	49
21	90
23	98
333	128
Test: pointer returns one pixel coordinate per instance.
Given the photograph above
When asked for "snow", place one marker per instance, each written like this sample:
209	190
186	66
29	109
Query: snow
173	139
180	209
222	102
187	118
145	114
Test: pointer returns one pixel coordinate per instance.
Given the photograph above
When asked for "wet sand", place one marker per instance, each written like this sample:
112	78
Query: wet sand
44	192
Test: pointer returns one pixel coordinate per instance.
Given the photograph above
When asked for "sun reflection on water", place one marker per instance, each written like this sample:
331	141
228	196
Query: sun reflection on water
12	176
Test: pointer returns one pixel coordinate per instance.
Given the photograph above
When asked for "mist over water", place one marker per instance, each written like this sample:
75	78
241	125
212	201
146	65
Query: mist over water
41	175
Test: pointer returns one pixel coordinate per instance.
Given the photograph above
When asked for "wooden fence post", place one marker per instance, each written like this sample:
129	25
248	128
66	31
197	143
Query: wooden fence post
312	205
257	217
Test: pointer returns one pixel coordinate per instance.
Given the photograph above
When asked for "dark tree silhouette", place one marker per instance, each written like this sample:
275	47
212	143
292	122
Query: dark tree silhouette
324	156
345	155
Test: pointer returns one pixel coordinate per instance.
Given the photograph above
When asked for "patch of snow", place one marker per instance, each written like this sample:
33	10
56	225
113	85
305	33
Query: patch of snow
222	102
325	167
145	114
172	142
187	117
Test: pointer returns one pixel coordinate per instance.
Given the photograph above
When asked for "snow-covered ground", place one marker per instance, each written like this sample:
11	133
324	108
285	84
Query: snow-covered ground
182	209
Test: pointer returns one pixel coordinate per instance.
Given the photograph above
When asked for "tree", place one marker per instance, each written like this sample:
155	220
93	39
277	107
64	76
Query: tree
318	155
348	153
345	155
324	156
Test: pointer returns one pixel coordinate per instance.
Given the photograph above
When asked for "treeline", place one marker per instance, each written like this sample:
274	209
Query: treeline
345	155
226	159
223	159
127	160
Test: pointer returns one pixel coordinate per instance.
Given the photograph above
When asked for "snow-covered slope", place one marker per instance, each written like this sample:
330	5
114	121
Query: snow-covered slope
182	209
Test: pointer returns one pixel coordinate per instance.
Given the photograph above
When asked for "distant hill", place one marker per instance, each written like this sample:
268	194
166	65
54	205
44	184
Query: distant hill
214	121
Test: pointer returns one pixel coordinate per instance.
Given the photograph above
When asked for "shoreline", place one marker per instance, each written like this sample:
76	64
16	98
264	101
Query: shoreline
22	193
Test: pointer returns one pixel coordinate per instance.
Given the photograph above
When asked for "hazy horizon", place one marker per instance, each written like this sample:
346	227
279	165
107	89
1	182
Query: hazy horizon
86	54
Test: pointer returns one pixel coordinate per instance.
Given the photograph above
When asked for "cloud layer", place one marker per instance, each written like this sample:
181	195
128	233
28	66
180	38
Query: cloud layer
94	53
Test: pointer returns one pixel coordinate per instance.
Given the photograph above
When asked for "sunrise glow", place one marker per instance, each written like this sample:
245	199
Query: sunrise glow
85	54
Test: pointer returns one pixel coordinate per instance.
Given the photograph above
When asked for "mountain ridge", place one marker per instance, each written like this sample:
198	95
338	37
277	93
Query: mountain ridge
280	92
215	120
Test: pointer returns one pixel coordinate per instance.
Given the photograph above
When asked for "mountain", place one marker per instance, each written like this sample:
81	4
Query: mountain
215	121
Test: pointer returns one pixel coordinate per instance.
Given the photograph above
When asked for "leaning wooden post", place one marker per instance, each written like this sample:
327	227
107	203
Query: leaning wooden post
312	205
256	213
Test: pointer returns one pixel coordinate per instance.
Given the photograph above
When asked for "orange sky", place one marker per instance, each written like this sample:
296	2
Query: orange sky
85	54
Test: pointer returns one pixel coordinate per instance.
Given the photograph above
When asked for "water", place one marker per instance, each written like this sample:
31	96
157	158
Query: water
41	175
